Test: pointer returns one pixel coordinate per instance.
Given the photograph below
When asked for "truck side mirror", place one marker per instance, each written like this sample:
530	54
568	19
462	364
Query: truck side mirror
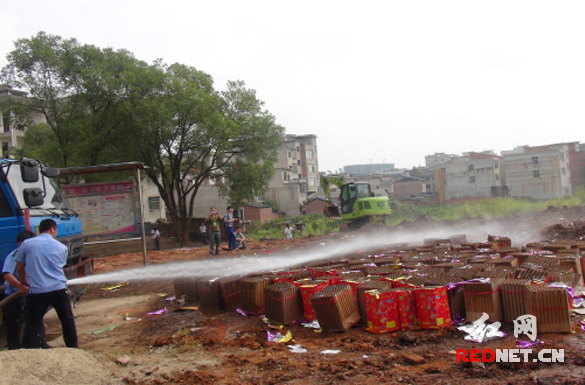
50	172
33	197
29	171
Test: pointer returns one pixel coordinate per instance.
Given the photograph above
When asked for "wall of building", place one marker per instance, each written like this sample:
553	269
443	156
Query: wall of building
469	176
538	172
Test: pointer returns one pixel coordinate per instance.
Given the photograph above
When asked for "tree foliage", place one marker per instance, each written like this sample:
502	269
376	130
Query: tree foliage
104	106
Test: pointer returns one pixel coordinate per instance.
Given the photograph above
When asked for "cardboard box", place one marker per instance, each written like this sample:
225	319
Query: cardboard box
407	311
382	310
283	303
551	307
483	297
308	289
336	308
432	305
253	294
186	288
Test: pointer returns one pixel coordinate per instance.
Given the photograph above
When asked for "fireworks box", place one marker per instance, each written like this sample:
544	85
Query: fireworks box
291	276
336	308
186	288
361	297
323	272
353	282
382	309
432	304
513	293
456	301
308	289
407	311
209	294
551	307
483	297
252	297
230	291
282	302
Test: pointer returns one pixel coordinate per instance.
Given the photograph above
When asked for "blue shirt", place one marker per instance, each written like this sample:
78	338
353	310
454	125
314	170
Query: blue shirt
10	267
44	258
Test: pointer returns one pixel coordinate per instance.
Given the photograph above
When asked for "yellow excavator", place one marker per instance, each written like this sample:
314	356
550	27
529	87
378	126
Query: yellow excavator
357	202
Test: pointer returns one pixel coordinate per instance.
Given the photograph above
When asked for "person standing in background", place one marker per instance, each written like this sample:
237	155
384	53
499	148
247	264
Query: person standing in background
213	219
203	232
229	220
288	231
155	234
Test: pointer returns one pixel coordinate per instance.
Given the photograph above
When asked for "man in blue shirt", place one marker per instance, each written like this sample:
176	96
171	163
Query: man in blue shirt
40	262
12	314
229	220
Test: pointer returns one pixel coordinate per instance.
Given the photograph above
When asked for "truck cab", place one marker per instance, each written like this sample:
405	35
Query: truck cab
29	193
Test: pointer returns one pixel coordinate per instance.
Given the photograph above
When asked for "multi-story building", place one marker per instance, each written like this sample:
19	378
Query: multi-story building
471	176
542	172
13	126
296	173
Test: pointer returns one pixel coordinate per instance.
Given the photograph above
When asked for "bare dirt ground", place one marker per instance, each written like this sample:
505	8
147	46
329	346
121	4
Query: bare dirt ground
225	347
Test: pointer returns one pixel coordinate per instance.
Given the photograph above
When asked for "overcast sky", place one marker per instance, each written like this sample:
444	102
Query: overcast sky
376	81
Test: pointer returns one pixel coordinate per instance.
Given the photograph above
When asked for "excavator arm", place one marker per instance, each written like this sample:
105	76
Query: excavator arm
331	210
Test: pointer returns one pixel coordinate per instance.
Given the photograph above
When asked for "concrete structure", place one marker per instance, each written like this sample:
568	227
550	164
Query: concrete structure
407	187
541	172
13	126
577	164
296	173
368	169
471	176
438	158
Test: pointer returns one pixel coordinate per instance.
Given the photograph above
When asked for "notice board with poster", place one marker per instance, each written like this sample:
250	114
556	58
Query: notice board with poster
105	208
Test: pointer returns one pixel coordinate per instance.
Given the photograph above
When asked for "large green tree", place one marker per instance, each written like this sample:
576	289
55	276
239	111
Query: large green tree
104	106
189	134
81	91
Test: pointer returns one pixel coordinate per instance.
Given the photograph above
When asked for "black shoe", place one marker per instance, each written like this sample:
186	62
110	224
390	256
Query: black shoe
217	253
46	346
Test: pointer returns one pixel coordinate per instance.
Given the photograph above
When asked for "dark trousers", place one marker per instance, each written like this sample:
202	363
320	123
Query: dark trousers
232	238
13	316
156	242
204	238
214	240
36	307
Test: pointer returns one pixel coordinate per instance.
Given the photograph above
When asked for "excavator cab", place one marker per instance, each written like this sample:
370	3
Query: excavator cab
351	192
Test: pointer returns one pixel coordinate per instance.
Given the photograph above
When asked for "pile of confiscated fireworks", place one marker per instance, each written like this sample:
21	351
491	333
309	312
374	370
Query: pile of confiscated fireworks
421	287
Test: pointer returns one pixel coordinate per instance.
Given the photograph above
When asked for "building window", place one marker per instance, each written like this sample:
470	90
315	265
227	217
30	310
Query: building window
496	165
536	174
443	170
471	179
309	154
311	182
563	171
310	168
154	203
471	168
562	156
497	176
535	160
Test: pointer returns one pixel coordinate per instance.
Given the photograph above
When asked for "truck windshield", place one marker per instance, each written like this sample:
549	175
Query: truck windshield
54	199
